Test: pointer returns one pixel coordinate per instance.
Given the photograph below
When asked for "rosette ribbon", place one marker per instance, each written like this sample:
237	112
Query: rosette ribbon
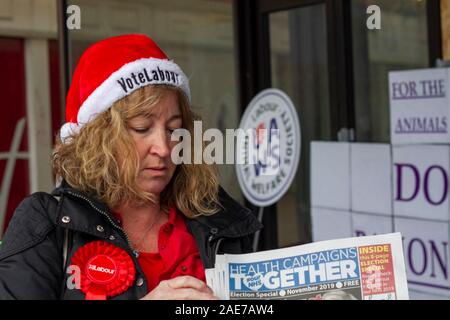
106	270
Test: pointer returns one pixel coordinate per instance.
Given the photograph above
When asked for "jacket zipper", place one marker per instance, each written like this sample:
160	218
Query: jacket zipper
214	248
106	215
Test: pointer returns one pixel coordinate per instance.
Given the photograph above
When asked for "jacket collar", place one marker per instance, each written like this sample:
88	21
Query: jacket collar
86	213
231	221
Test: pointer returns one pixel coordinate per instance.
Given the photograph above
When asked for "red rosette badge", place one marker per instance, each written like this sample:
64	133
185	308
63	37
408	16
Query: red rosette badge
106	270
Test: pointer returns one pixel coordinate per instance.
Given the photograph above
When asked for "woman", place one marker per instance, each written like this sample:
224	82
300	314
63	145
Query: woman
125	222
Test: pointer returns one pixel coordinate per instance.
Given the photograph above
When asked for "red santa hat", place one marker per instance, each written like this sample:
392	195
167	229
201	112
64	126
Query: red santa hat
112	69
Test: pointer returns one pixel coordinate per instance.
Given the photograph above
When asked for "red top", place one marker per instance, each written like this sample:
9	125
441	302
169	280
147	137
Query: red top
178	253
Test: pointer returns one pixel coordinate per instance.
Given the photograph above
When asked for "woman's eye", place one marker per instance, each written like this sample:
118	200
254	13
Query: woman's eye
140	130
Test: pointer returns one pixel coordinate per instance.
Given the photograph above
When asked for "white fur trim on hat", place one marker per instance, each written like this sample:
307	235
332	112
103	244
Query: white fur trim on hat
128	78
68	130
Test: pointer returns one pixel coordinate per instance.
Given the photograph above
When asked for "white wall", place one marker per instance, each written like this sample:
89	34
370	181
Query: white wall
412	200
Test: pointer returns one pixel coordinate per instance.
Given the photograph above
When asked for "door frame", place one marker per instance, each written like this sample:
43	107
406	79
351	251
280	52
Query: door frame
253	45
253	55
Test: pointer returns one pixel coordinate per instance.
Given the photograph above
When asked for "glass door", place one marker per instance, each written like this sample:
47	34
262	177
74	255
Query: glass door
299	67
300	49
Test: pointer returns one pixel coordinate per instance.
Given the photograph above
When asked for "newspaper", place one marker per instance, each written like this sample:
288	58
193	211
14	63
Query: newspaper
364	268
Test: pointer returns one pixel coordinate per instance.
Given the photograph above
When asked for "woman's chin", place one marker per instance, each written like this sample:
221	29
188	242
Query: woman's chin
153	187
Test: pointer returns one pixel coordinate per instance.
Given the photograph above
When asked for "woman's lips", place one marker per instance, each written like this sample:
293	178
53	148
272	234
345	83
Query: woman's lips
156	170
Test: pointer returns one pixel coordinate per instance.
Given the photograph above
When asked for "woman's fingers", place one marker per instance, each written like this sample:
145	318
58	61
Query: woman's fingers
181	288
192	294
167	293
188	282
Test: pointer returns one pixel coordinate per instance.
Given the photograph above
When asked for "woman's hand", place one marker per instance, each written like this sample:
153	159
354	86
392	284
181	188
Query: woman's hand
181	288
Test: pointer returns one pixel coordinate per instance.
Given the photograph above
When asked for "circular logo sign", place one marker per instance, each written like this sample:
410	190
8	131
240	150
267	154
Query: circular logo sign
101	269
268	147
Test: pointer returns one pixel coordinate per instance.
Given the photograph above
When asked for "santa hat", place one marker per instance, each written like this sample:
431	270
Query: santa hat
112	69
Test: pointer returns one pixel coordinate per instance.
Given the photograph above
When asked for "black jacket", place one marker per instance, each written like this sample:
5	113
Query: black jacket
31	254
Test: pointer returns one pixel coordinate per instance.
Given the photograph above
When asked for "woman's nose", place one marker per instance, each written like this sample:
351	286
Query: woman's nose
160	144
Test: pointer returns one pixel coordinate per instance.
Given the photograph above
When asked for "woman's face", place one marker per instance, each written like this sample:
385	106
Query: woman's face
154	146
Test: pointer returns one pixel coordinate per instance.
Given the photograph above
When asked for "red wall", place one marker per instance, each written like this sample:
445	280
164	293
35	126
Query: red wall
12	105
55	87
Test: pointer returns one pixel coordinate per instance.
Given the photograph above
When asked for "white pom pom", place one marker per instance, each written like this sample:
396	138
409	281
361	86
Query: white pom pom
68	130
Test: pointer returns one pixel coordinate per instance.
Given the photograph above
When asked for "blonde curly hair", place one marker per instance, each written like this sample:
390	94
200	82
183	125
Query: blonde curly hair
88	161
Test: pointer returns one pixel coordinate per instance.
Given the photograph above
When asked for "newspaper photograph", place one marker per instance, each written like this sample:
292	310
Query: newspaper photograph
364	268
